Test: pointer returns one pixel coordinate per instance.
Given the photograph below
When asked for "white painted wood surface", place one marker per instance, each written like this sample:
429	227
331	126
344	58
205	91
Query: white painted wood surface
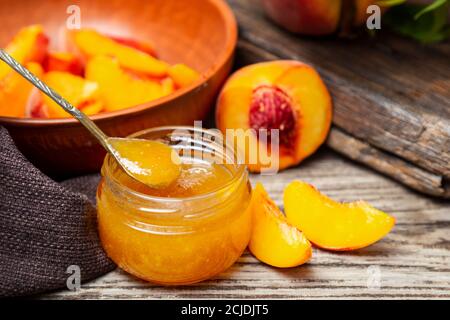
412	262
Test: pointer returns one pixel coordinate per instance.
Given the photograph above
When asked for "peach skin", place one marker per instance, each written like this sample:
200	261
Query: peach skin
331	225
64	62
274	241
146	46
318	17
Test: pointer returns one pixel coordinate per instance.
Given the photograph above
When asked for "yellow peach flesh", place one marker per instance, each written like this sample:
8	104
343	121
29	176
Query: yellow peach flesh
91	43
332	225
274	241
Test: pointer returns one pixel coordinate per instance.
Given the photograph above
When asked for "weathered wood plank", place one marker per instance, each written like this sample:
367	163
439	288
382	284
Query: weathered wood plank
405	172
413	261
391	93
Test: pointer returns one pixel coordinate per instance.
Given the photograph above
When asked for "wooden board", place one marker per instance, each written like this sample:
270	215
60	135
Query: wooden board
391	96
413	261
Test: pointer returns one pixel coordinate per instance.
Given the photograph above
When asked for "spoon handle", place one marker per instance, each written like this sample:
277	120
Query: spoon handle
63	103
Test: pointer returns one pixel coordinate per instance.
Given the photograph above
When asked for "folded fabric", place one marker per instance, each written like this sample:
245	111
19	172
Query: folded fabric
45	227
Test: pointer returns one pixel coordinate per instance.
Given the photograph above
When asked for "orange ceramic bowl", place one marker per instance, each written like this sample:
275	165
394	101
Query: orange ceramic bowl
199	33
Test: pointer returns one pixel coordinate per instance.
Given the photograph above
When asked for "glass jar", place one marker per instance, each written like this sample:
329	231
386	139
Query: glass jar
177	240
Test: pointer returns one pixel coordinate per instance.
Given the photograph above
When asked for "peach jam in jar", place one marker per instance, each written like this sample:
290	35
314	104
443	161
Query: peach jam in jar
187	232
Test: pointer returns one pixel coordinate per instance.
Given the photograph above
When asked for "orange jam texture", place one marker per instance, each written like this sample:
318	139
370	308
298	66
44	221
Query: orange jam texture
150	162
176	247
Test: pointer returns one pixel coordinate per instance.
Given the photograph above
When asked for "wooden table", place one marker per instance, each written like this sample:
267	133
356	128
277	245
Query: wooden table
412	262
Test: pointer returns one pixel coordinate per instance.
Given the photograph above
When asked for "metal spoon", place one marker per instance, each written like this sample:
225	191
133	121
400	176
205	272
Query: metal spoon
129	165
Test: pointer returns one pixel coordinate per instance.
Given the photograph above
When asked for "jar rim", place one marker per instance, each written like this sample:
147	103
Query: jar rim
240	171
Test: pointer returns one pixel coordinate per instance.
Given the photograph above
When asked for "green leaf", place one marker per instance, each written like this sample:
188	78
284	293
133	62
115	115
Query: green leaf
436	4
390	3
432	26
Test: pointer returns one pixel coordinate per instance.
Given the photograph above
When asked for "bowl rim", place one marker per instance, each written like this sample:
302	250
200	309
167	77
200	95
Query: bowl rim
230	45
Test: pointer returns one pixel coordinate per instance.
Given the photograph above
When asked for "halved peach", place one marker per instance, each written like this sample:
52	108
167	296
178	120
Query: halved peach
29	45
64	62
119	89
90	43
332	225
273	240
15	91
288	96
183	75
80	92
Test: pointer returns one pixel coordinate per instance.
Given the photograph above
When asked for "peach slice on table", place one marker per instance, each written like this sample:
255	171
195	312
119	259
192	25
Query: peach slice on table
118	88
90	43
273	240
15	91
81	93
64	62
288	96
332	225
183	75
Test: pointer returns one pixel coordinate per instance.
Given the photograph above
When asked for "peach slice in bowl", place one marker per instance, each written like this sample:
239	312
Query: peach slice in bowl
201	35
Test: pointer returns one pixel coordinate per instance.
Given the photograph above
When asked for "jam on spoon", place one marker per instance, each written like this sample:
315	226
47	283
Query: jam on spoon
152	163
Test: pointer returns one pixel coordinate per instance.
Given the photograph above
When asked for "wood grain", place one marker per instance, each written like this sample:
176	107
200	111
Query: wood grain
388	92
395	167
413	260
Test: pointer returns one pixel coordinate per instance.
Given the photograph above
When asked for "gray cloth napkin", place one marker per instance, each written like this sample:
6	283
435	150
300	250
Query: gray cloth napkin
45	227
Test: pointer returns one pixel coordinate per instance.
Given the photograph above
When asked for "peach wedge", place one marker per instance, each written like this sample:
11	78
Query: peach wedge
119	89
90	43
332	225
182	75
29	45
274	241
14	92
317	17
81	93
